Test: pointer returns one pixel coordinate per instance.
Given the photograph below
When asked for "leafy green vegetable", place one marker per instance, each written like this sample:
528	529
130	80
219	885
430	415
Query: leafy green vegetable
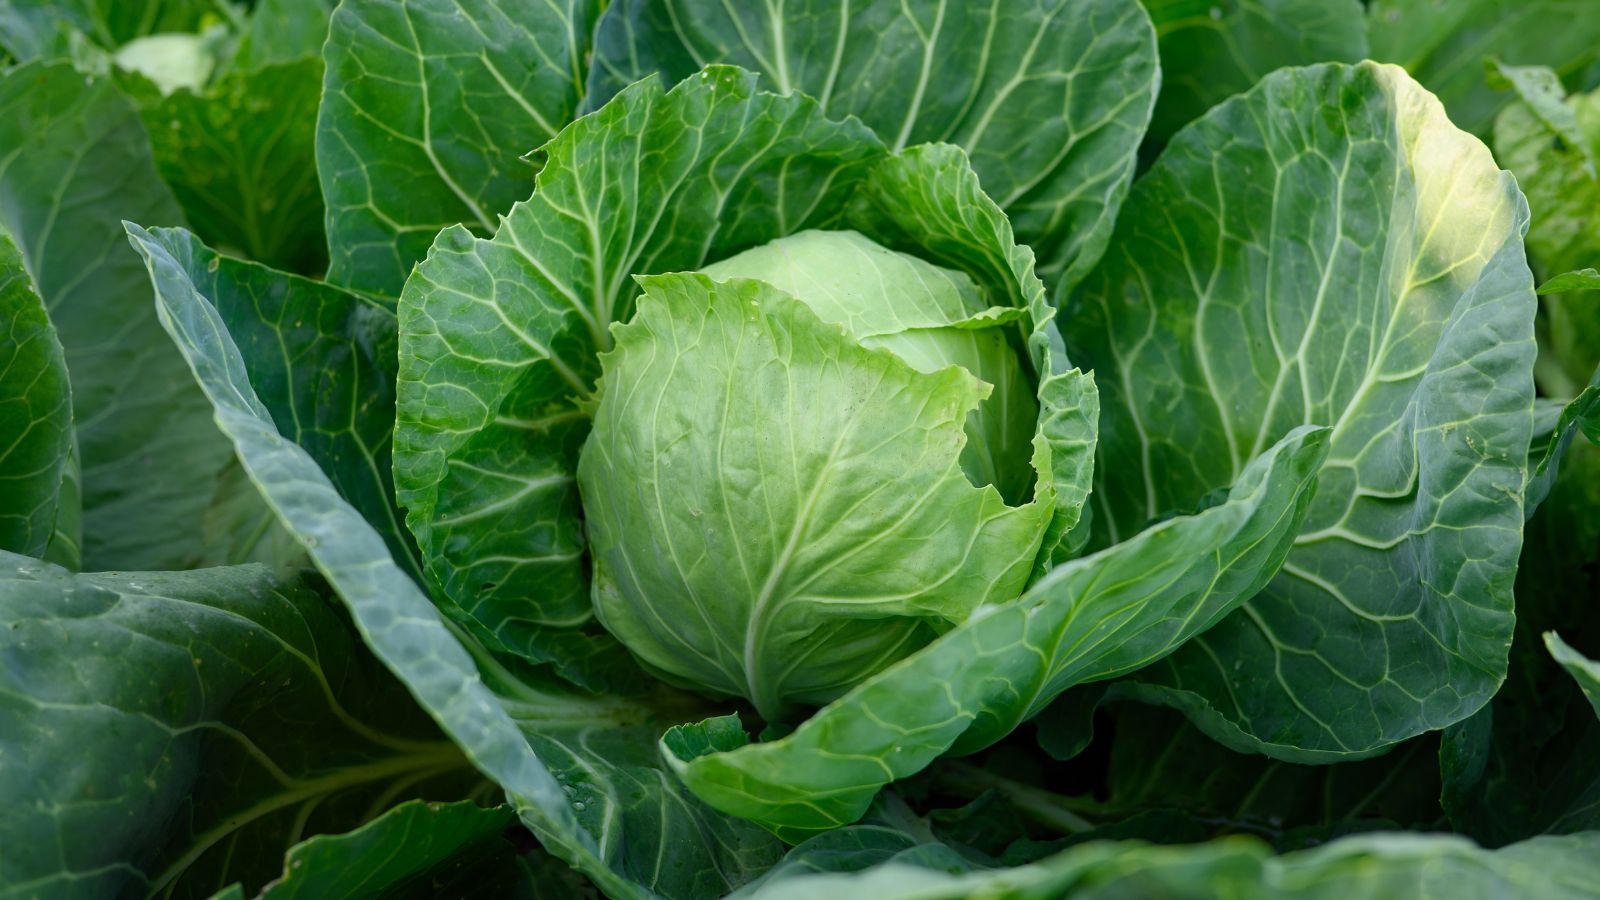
36	414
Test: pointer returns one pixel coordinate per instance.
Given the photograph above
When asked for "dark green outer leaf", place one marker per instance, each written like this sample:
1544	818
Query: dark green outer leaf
35	412
589	786
182	729
239	527
1049	98
322	361
1089	619
393	615
428	109
1529	762
1213	49
1585	671
404	852
499	337
151	458
1160	764
1327	249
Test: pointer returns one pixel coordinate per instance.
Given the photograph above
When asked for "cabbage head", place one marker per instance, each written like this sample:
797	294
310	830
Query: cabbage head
808	460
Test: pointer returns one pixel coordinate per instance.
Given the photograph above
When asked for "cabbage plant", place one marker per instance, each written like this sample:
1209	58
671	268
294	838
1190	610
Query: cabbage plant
597	376
894	448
